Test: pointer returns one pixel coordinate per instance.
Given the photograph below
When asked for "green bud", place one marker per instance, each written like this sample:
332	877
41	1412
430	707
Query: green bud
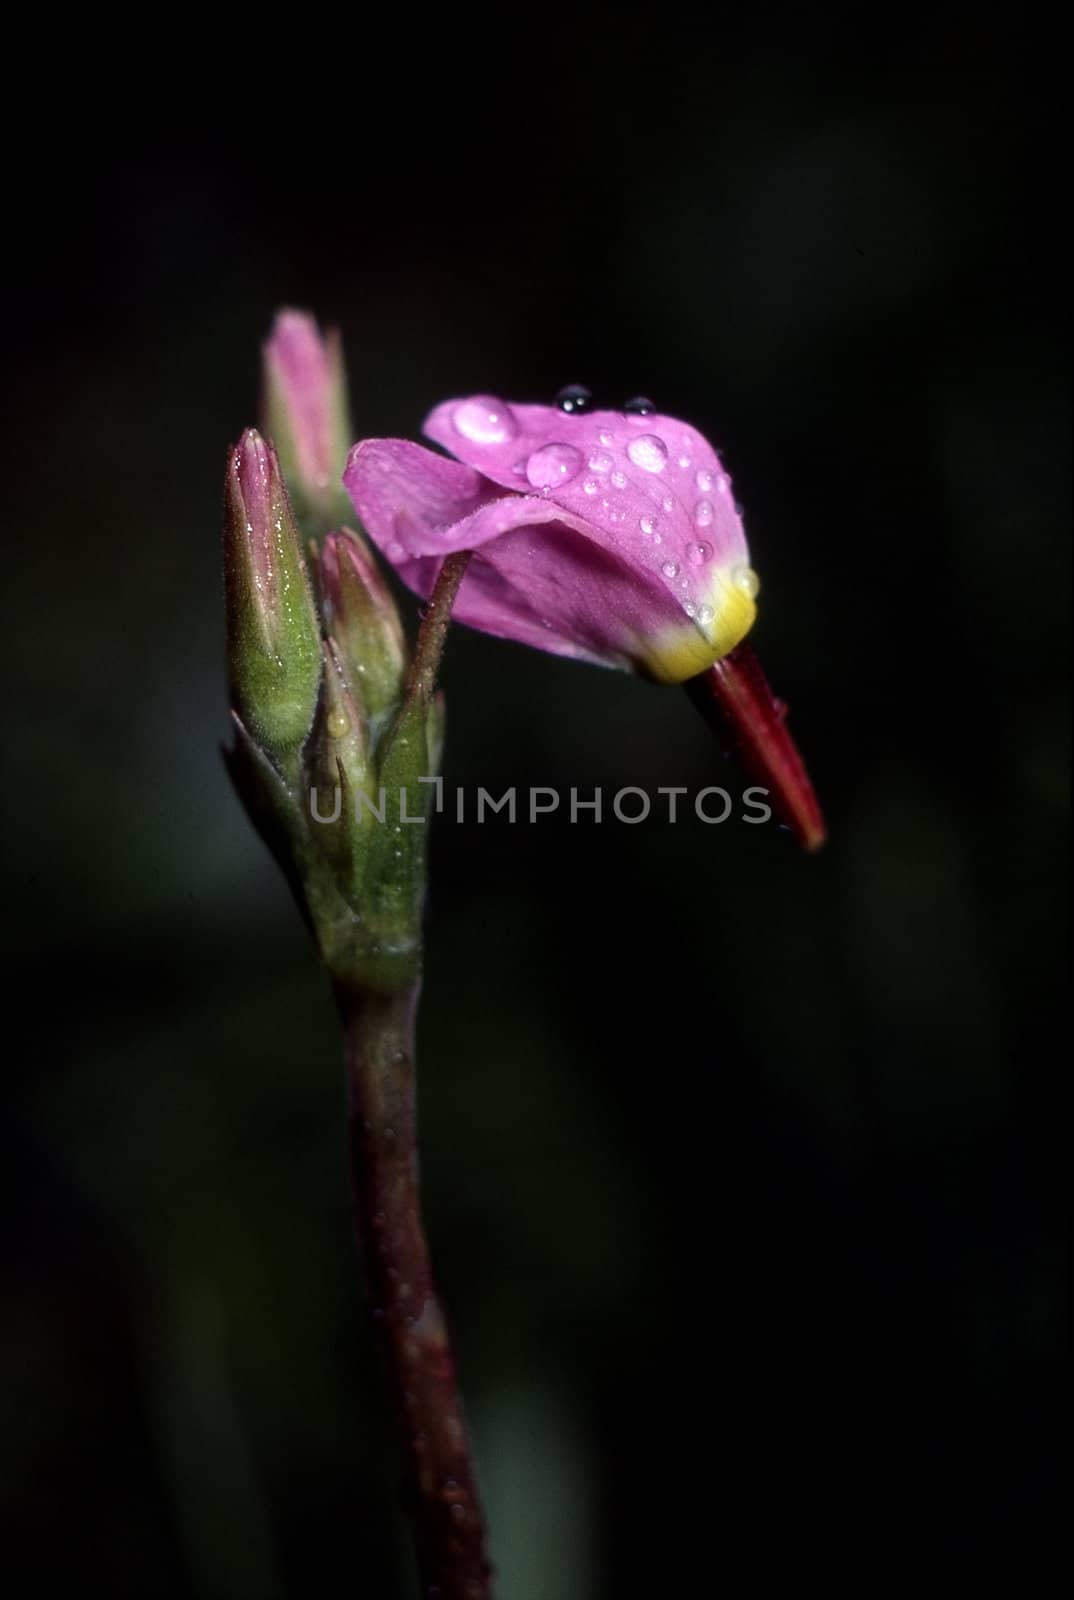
273	635
337	763
363	620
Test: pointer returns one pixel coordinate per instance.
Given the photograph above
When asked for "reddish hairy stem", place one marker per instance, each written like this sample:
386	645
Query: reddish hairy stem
448	1521
436	615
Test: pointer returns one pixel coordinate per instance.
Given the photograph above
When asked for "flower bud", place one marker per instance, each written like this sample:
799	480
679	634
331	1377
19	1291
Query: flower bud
305	414
363	621
273	635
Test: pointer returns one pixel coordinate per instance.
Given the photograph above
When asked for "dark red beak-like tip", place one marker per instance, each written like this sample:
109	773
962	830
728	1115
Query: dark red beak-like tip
734	698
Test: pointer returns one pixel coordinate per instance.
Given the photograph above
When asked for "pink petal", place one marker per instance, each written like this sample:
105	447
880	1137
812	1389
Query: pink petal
650	485
544	575
546	584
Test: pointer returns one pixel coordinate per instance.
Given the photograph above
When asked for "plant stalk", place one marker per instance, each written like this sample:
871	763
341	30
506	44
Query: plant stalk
448	1521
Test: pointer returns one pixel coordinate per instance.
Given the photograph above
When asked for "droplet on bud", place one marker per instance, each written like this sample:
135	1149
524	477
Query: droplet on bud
640	406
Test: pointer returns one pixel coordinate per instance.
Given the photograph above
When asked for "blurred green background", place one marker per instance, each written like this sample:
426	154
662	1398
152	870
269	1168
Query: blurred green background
741	1169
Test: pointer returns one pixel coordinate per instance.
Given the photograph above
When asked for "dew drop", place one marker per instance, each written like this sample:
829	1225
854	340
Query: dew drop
648	525
553	465
704	480
599	462
745	579
703	513
574	398
723	485
668	503
698	554
689	607
395	551
337	722
648	452
705	615
590	486
640	406
606	439
617	514
670	569
618	480
484	420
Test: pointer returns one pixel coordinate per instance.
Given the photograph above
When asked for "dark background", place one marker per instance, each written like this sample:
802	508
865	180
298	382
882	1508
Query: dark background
741	1167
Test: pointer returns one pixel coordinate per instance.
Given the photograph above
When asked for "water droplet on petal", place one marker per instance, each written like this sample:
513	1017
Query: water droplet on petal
648	525
704	480
703	513
574	398
648	452
617	514
723	485
670	569
746	579
640	406
484	420
553	465
590	486
698	554
395	551
668	503
689	607
705	615
599	462
618	480
606	439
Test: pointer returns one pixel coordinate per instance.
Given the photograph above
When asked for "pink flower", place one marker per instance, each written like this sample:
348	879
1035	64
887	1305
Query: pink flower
608	536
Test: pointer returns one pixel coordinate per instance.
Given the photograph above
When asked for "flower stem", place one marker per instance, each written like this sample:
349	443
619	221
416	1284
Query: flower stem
429	645
448	1522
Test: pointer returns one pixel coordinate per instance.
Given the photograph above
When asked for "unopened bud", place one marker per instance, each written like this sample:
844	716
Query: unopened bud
274	644
364	622
305	415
